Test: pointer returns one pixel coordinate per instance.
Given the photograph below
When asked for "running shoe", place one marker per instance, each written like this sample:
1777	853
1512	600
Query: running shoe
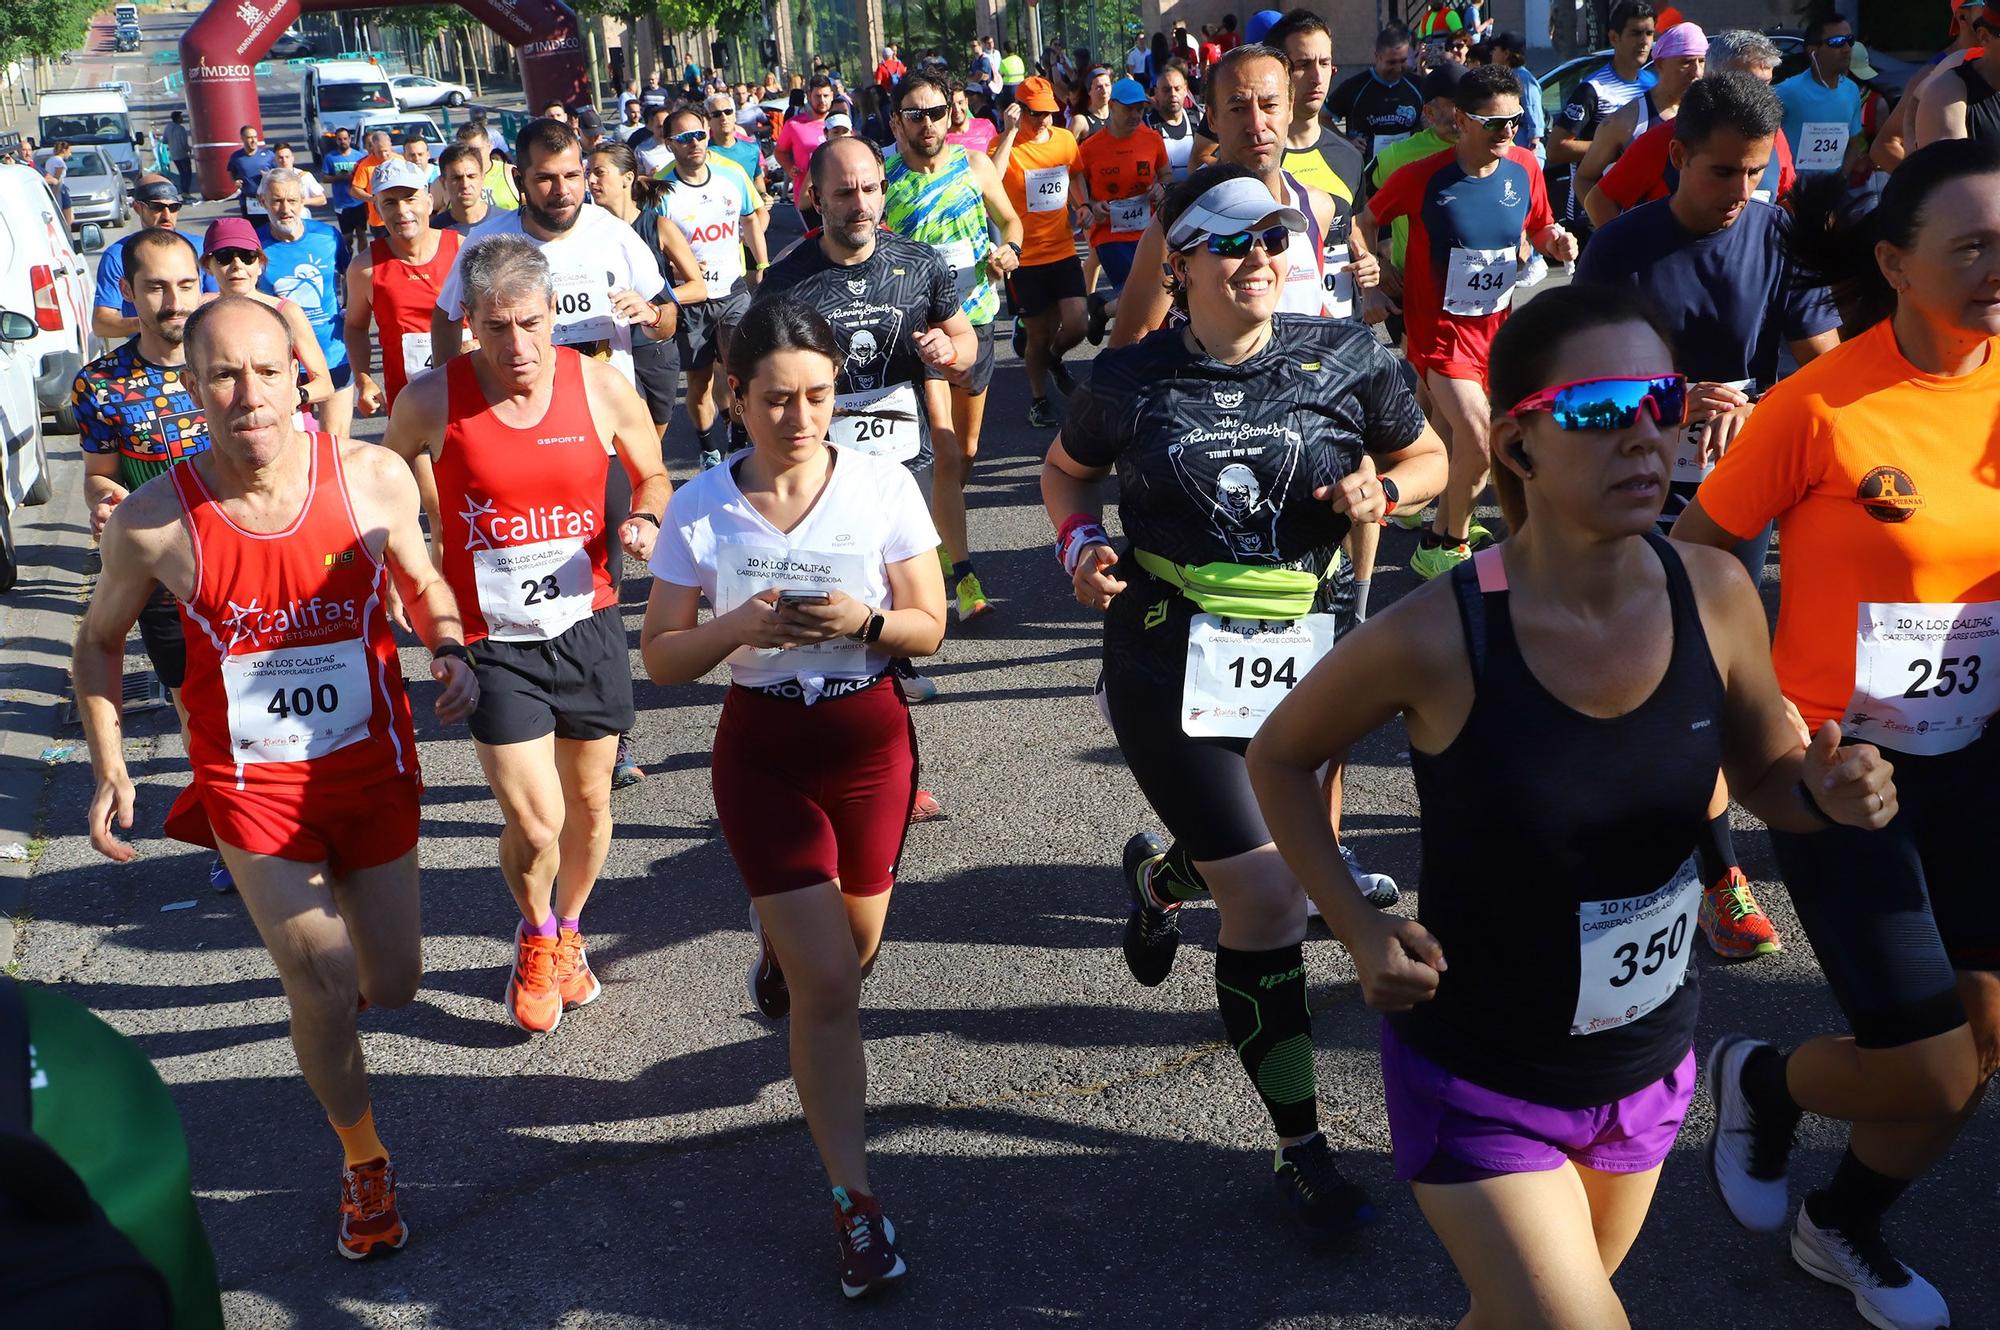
1100	318
575	980
1313	1188
917	688
1041	415
1886	1292
971	599
533	998
769	993
1431	560
926	808
868	1256
1477	537
625	773
711	458
220	877
1410	518
1735	925
1020	338
1065	381
1746	1167
1378	889
1152	934
369	1222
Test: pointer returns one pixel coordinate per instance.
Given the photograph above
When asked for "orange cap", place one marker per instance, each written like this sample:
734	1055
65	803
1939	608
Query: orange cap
1036	94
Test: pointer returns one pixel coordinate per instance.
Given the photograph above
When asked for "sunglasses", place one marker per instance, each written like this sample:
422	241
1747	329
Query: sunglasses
230	257
158	207
1497	124
1610	403
917	114
722	113
1838	43
689	137
1236	246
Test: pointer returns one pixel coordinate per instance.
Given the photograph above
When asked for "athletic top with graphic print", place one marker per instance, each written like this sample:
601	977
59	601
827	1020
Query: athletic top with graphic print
878	307
1593	101
1375	112
1218	463
143	414
947	210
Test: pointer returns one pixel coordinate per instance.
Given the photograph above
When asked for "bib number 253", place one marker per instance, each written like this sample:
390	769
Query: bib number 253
1953	674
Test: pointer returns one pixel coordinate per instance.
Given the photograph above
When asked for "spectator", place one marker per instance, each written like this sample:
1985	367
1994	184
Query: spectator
180	146
1135	59
889	72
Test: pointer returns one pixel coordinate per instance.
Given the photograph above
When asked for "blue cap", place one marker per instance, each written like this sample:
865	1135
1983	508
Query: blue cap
1260	23
1128	92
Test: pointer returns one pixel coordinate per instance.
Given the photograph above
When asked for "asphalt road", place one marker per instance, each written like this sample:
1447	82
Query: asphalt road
1057	1146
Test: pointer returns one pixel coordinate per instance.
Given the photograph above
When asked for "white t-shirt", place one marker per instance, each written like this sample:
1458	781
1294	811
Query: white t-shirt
310	189
871	515
710	216
597	256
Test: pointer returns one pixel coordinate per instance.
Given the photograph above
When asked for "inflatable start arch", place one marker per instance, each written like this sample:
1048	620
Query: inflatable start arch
220	51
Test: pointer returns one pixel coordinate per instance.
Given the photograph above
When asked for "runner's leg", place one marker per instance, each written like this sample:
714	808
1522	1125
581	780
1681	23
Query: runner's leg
1463	404
1043	327
530	793
584	767
1074	319
812	932
1261	985
953	469
383	911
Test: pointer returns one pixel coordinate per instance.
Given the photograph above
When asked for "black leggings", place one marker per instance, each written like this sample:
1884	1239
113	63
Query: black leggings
1199	787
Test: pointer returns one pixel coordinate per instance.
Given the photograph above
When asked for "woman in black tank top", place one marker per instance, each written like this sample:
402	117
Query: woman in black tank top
1569	697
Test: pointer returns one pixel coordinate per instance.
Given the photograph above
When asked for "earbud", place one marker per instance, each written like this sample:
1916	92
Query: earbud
1520	451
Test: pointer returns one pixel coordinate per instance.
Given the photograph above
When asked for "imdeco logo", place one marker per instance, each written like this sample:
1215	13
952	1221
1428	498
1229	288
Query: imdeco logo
207	72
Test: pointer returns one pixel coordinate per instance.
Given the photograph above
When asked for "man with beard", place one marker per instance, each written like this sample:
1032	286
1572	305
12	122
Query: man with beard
899	315
306	262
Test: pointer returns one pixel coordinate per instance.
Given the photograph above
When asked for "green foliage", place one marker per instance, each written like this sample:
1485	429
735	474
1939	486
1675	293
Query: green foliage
43	28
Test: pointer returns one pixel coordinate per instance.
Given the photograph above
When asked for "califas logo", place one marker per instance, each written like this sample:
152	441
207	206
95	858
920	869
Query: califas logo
256	625
487	529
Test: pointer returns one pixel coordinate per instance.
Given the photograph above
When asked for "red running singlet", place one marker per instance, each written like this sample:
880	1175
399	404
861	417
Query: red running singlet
404	294
524	536
293	678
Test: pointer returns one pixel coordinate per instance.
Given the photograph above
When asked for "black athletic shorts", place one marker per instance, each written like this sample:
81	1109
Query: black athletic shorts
982	362
1892	914
577	685
657	366
160	630
703	326
1040	286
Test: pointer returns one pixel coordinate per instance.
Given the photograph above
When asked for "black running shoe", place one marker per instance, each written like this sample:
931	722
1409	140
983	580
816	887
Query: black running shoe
1152	935
1100	318
769	993
868	1256
1312	1187
1065	381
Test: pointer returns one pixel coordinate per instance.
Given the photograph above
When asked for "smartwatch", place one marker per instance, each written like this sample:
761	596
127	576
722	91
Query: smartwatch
1389	492
871	631
305	397
453	649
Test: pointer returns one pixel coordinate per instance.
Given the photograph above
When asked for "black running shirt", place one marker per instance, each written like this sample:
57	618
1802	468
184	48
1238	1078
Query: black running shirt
1370	109
877	307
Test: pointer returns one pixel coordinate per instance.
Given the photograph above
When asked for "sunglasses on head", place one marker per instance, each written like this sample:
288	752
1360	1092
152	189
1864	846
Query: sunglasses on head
1610	403
1237	245
227	257
1497	124
1838	43
914	114
688	137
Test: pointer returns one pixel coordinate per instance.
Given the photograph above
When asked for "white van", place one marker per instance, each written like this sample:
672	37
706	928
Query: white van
43	276
99	116
122	14
336	94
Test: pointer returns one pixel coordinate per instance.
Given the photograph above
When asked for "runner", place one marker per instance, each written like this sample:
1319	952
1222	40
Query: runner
1439	133
1120	177
1169	118
1470	211
361	185
727	140
1382	105
1036	158
940	194
1644	171
1538	1055
1822	104
338	161
815	766
803	131
1095	109
310	188
1632	24
1875	460
715	207
1895	138
461	178
1245	445
1966	102
234	256
305	765
1679	58
519	435
896	307
974	133
305	263
157	204
392	289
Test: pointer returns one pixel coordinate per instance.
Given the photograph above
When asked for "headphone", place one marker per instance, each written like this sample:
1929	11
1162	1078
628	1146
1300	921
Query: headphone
1519	448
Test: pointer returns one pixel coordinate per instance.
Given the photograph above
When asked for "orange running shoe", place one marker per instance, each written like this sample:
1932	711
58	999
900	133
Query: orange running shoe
369	1222
534	1000
1735	924
574	977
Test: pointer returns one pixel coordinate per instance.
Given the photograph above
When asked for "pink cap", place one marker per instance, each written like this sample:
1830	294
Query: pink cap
230	233
1681	39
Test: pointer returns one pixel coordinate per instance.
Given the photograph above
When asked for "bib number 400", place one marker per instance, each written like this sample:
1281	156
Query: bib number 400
324	699
1946	679
1663	946
1262	672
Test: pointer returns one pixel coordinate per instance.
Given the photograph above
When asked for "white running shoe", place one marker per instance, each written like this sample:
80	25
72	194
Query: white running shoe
1378	889
1537	272
1752	1189
1886	1292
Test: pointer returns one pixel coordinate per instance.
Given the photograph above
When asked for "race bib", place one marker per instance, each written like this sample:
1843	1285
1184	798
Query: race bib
898	439
584	318
1924	675
1634	952
1822	146
416	353
744	570
957	254
294	704
1688	466
1337	282
1238	670
1133	214
1480	281
531	593
1382	141
1047	188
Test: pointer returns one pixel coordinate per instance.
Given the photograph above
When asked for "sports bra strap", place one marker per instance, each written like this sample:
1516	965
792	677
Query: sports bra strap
1466	585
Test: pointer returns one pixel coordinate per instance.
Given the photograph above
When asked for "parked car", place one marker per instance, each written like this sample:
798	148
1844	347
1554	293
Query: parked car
399	127
414	91
97	188
292	46
43	274
24	457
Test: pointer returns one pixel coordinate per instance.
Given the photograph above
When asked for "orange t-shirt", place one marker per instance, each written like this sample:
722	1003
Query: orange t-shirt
1114	168
1037	183
1886	488
364	171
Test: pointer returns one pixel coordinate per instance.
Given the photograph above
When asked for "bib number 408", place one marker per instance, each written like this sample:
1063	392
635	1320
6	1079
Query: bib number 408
573	302
1664	945
1947	678
304	701
1262	672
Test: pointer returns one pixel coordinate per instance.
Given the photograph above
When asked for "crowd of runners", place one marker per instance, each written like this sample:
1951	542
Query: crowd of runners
1314	297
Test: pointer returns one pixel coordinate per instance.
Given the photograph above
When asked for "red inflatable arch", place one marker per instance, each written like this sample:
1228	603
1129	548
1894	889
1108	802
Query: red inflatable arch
220	51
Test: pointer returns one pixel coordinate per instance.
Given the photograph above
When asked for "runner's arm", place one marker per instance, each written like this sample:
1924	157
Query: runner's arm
1941	115
416	434
1808	349
447	336
674	244
1891	145
354	330
620	414
1002	151
387	495
1071	495
101	488
1143	304
311	356
999	208
111	325
1603	150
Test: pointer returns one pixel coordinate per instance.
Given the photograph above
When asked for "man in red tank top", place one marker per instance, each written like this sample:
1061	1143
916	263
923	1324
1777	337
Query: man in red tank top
280	547
393	285
515	434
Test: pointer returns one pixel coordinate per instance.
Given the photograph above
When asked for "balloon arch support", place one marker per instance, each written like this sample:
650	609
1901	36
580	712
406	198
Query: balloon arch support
220	51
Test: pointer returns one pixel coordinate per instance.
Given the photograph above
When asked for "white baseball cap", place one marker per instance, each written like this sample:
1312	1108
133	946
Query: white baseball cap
1232	206
399	173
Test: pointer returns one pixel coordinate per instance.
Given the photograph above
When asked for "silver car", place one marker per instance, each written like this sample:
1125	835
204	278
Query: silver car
97	189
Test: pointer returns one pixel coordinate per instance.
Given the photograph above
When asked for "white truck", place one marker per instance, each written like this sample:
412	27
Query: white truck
99	116
338	94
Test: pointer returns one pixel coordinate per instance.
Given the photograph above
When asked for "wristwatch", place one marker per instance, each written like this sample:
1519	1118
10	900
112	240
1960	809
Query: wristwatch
453	649
870	631
305	397
1389	492
1015	245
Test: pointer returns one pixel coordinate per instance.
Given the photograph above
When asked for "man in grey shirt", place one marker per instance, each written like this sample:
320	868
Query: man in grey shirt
180	147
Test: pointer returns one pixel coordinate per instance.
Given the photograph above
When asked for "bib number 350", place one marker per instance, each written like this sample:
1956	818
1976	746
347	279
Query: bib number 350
1633	952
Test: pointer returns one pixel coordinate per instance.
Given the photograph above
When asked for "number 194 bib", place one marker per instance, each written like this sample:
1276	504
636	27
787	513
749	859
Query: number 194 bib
1634	952
1238	670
